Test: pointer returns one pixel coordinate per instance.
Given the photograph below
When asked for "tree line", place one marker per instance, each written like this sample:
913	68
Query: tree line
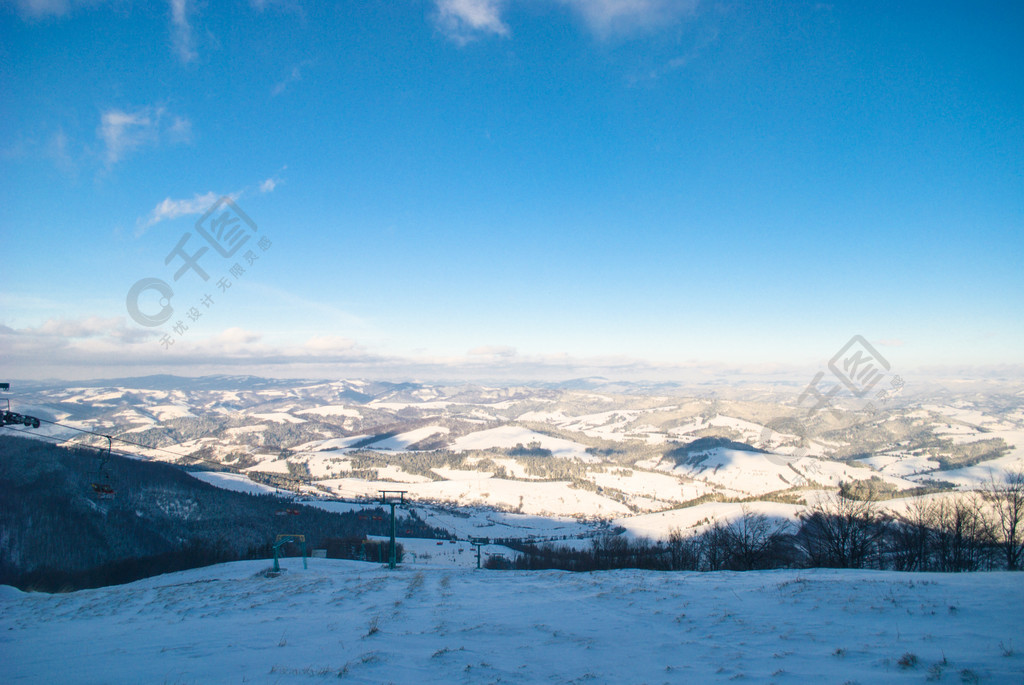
970	532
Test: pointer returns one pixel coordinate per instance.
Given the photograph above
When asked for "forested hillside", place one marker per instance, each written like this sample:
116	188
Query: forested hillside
55	533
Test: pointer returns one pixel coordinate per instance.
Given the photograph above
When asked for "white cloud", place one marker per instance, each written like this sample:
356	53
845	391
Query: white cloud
235	339
57	151
89	327
123	131
97	347
465	20
492	351
64	332
37	9
330	343
260	5
169	209
606	17
180	131
294	76
268	185
181	31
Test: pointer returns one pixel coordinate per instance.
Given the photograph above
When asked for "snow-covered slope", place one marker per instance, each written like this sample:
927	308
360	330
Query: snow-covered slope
365	624
510	436
757	473
616	454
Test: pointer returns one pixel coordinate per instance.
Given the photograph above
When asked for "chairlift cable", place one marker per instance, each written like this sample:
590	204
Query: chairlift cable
59	441
139	444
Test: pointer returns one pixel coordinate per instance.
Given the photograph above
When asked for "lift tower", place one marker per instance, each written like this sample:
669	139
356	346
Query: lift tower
392	497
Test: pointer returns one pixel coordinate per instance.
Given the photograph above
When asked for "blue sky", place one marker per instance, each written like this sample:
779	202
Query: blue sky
518	188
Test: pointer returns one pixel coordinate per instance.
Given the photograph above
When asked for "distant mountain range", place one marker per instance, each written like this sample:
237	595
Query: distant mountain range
587	448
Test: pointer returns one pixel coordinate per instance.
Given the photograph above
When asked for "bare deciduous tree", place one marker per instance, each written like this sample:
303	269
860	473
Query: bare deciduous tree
752	541
961	532
713	547
684	552
909	537
1007	500
841	532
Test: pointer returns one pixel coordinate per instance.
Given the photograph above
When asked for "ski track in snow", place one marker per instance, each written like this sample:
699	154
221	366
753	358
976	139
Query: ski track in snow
226	624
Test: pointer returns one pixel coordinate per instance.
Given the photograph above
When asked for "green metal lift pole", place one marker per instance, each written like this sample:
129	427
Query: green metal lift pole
391	554
479	542
389	497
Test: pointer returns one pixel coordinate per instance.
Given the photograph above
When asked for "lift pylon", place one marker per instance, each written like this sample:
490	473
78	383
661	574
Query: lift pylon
392	497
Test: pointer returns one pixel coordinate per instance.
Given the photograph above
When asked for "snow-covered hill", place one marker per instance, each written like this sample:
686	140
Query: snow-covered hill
365	624
588	451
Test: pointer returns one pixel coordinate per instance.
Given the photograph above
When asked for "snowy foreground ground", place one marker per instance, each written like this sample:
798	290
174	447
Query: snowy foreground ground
366	624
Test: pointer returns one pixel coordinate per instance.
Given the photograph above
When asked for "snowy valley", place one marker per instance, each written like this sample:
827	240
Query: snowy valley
544	461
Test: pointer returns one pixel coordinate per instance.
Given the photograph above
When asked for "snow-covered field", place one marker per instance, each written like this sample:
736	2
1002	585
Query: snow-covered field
365	624
237	483
471	488
510	436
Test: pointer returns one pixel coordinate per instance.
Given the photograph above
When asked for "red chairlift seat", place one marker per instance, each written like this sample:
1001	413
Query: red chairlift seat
103	489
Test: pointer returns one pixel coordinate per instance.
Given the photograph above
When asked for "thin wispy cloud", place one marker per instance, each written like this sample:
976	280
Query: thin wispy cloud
269	184
491	351
66	332
170	208
607	17
294	76
180	130
293	6
182	39
40	9
181	31
123	131
57	150
466	20
89	327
